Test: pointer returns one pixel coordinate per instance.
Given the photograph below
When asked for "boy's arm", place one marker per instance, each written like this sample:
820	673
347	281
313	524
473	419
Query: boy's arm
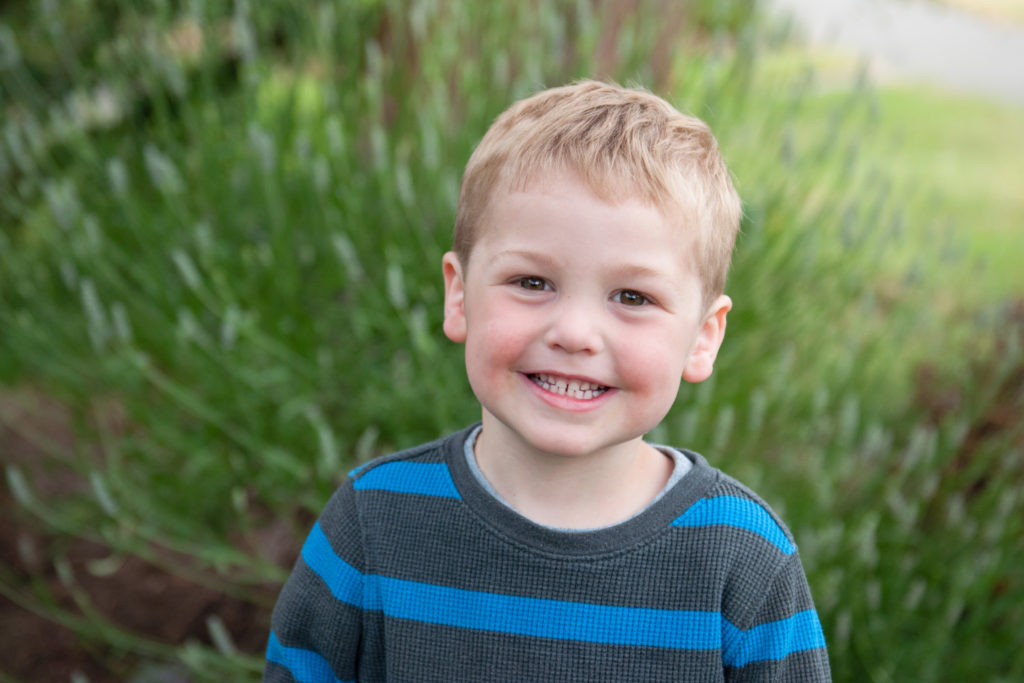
784	640
316	624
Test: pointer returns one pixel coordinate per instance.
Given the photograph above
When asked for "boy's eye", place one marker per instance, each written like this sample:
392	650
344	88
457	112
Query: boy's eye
630	298
534	283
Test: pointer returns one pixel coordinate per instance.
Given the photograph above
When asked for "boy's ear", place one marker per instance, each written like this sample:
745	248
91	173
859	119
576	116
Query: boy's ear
709	339
454	298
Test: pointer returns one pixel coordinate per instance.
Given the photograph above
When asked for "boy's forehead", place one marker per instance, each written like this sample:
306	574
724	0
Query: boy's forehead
511	208
504	198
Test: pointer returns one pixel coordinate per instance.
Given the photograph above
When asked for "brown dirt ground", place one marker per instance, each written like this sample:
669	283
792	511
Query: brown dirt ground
138	597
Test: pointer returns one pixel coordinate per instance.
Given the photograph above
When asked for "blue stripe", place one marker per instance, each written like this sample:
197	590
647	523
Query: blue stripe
401	599
428	479
561	620
737	512
305	666
344	580
359	468
775	640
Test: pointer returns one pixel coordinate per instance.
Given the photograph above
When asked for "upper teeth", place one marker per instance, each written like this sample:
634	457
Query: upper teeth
573	388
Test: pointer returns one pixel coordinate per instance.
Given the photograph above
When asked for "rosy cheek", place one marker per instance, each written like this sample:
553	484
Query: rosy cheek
507	330
655	369
495	344
503	345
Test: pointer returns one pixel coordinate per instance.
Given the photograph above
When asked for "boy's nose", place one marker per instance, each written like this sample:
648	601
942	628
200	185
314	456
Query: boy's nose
575	329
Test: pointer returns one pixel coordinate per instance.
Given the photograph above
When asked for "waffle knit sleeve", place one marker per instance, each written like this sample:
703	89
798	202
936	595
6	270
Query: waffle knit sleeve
317	622
783	640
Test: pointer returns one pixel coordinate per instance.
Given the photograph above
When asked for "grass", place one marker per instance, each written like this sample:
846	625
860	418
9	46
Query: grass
954	158
964	152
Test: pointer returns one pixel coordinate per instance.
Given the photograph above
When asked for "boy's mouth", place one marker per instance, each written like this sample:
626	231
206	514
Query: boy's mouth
563	386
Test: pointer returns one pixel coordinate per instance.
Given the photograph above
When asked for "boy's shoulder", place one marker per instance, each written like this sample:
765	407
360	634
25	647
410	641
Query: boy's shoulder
419	469
732	503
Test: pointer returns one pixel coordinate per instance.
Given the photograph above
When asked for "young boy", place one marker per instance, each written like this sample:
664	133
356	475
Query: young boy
550	542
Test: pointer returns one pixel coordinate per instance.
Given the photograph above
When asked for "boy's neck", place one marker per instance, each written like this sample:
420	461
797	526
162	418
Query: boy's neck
571	492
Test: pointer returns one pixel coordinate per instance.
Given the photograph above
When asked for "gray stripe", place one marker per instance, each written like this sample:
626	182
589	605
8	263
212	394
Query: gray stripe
438	541
308	616
443	654
810	666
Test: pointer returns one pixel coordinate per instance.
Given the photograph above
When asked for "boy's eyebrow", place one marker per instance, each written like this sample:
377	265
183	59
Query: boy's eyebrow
638	271
630	270
543	258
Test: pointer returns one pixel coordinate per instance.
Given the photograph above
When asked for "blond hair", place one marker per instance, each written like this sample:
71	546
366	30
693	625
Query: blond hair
622	143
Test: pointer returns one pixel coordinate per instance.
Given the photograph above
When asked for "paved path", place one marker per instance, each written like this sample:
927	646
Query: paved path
919	41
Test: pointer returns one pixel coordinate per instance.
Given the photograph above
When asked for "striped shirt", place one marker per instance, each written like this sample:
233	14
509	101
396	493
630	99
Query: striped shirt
414	572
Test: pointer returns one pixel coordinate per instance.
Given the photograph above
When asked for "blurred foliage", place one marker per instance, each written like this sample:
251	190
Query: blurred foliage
220	234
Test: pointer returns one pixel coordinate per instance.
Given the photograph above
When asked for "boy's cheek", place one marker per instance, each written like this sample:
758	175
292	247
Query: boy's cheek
654	373
496	344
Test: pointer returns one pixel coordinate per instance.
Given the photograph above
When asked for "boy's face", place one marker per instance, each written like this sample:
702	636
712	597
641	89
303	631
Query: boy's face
580	318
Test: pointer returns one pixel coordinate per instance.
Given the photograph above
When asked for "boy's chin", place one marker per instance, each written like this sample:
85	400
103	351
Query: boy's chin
559	440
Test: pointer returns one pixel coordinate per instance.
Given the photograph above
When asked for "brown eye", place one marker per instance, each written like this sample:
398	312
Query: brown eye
533	283
630	298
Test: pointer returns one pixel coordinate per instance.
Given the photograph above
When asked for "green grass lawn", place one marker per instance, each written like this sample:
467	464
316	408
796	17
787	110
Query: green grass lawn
966	153
956	158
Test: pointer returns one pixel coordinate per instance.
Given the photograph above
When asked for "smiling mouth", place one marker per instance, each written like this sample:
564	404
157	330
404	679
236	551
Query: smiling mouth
573	388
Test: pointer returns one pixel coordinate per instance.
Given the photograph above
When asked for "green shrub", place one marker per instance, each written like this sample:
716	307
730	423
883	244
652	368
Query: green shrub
220	245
